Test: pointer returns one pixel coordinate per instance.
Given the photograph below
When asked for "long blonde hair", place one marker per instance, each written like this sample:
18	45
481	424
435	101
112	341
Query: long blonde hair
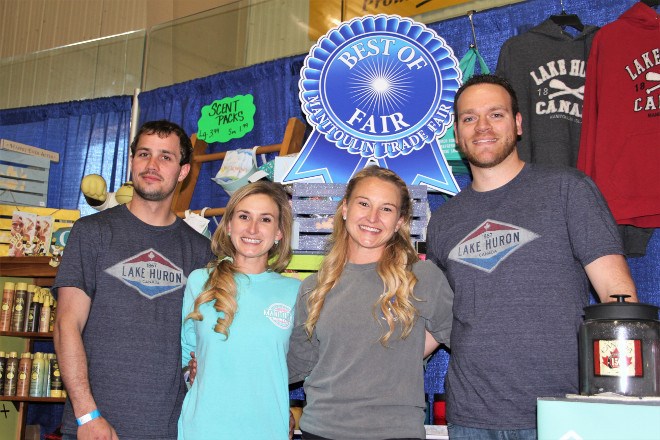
221	285
394	266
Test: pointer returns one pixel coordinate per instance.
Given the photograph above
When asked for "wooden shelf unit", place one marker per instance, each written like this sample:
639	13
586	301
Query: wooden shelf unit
43	275
29	267
292	142
28	335
17	399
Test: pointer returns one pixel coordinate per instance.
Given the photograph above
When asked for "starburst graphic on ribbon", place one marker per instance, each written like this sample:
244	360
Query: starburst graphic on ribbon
380	86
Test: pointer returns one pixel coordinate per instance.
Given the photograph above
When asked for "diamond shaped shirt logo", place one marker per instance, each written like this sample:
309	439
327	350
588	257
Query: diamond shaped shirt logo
489	244
150	273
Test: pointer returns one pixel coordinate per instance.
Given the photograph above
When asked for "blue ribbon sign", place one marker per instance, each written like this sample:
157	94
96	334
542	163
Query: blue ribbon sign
378	89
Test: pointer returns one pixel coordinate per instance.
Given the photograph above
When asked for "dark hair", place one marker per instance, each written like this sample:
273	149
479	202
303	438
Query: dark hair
488	79
165	128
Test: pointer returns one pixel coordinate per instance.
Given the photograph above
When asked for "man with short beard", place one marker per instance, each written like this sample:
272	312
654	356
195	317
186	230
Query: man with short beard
519	247
120	290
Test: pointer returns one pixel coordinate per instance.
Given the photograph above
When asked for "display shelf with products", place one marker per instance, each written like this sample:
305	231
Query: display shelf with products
38	272
37	268
28	335
19	399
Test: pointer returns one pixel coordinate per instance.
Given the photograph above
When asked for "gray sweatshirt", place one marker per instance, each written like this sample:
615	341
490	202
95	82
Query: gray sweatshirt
547	67
355	387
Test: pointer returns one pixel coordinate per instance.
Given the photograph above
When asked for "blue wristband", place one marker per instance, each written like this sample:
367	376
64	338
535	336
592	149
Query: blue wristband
88	417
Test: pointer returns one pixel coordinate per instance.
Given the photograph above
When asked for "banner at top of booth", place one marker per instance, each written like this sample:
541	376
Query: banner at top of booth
379	90
323	12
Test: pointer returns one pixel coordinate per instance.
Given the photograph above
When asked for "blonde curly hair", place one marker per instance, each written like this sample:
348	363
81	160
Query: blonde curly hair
394	267
221	285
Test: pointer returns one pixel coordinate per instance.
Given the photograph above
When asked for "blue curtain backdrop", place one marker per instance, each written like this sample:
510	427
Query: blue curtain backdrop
274	86
92	136
493	27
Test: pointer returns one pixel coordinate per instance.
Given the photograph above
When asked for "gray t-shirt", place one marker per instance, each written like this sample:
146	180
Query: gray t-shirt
134	274
355	387
514	257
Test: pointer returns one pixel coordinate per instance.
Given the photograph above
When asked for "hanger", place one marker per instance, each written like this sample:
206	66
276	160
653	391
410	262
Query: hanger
474	35
566	19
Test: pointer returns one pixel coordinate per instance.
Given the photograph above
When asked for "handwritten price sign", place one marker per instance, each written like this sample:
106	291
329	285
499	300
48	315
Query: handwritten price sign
226	119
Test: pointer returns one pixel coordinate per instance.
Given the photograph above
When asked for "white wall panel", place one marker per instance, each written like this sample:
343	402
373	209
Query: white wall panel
276	29
44	57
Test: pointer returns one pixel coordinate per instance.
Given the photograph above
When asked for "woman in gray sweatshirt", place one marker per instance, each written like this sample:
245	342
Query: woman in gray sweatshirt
364	322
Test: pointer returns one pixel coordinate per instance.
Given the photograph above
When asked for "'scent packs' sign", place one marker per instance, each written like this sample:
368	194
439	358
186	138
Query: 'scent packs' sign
226	119
379	90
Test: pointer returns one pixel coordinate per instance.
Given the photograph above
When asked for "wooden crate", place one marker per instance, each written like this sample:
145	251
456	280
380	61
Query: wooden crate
62	218
23	179
314	206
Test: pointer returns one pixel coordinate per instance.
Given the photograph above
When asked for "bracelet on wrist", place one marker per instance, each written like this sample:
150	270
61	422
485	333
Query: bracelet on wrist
88	417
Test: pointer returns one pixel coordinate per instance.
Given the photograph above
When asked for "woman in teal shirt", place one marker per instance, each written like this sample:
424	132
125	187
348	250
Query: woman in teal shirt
237	318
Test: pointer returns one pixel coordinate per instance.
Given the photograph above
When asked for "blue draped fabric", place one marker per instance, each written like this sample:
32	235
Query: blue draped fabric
493	27
274	86
90	136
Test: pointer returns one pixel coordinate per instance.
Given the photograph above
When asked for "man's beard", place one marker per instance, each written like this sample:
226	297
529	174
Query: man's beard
498	159
155	195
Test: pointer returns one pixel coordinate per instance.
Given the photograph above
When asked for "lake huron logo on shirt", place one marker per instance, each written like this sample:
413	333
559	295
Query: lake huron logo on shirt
280	315
491	243
150	273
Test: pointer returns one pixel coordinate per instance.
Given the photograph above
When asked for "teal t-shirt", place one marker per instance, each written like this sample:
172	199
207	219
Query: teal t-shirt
241	388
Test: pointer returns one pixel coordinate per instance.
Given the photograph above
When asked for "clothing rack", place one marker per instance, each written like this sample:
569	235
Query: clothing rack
474	35
566	19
